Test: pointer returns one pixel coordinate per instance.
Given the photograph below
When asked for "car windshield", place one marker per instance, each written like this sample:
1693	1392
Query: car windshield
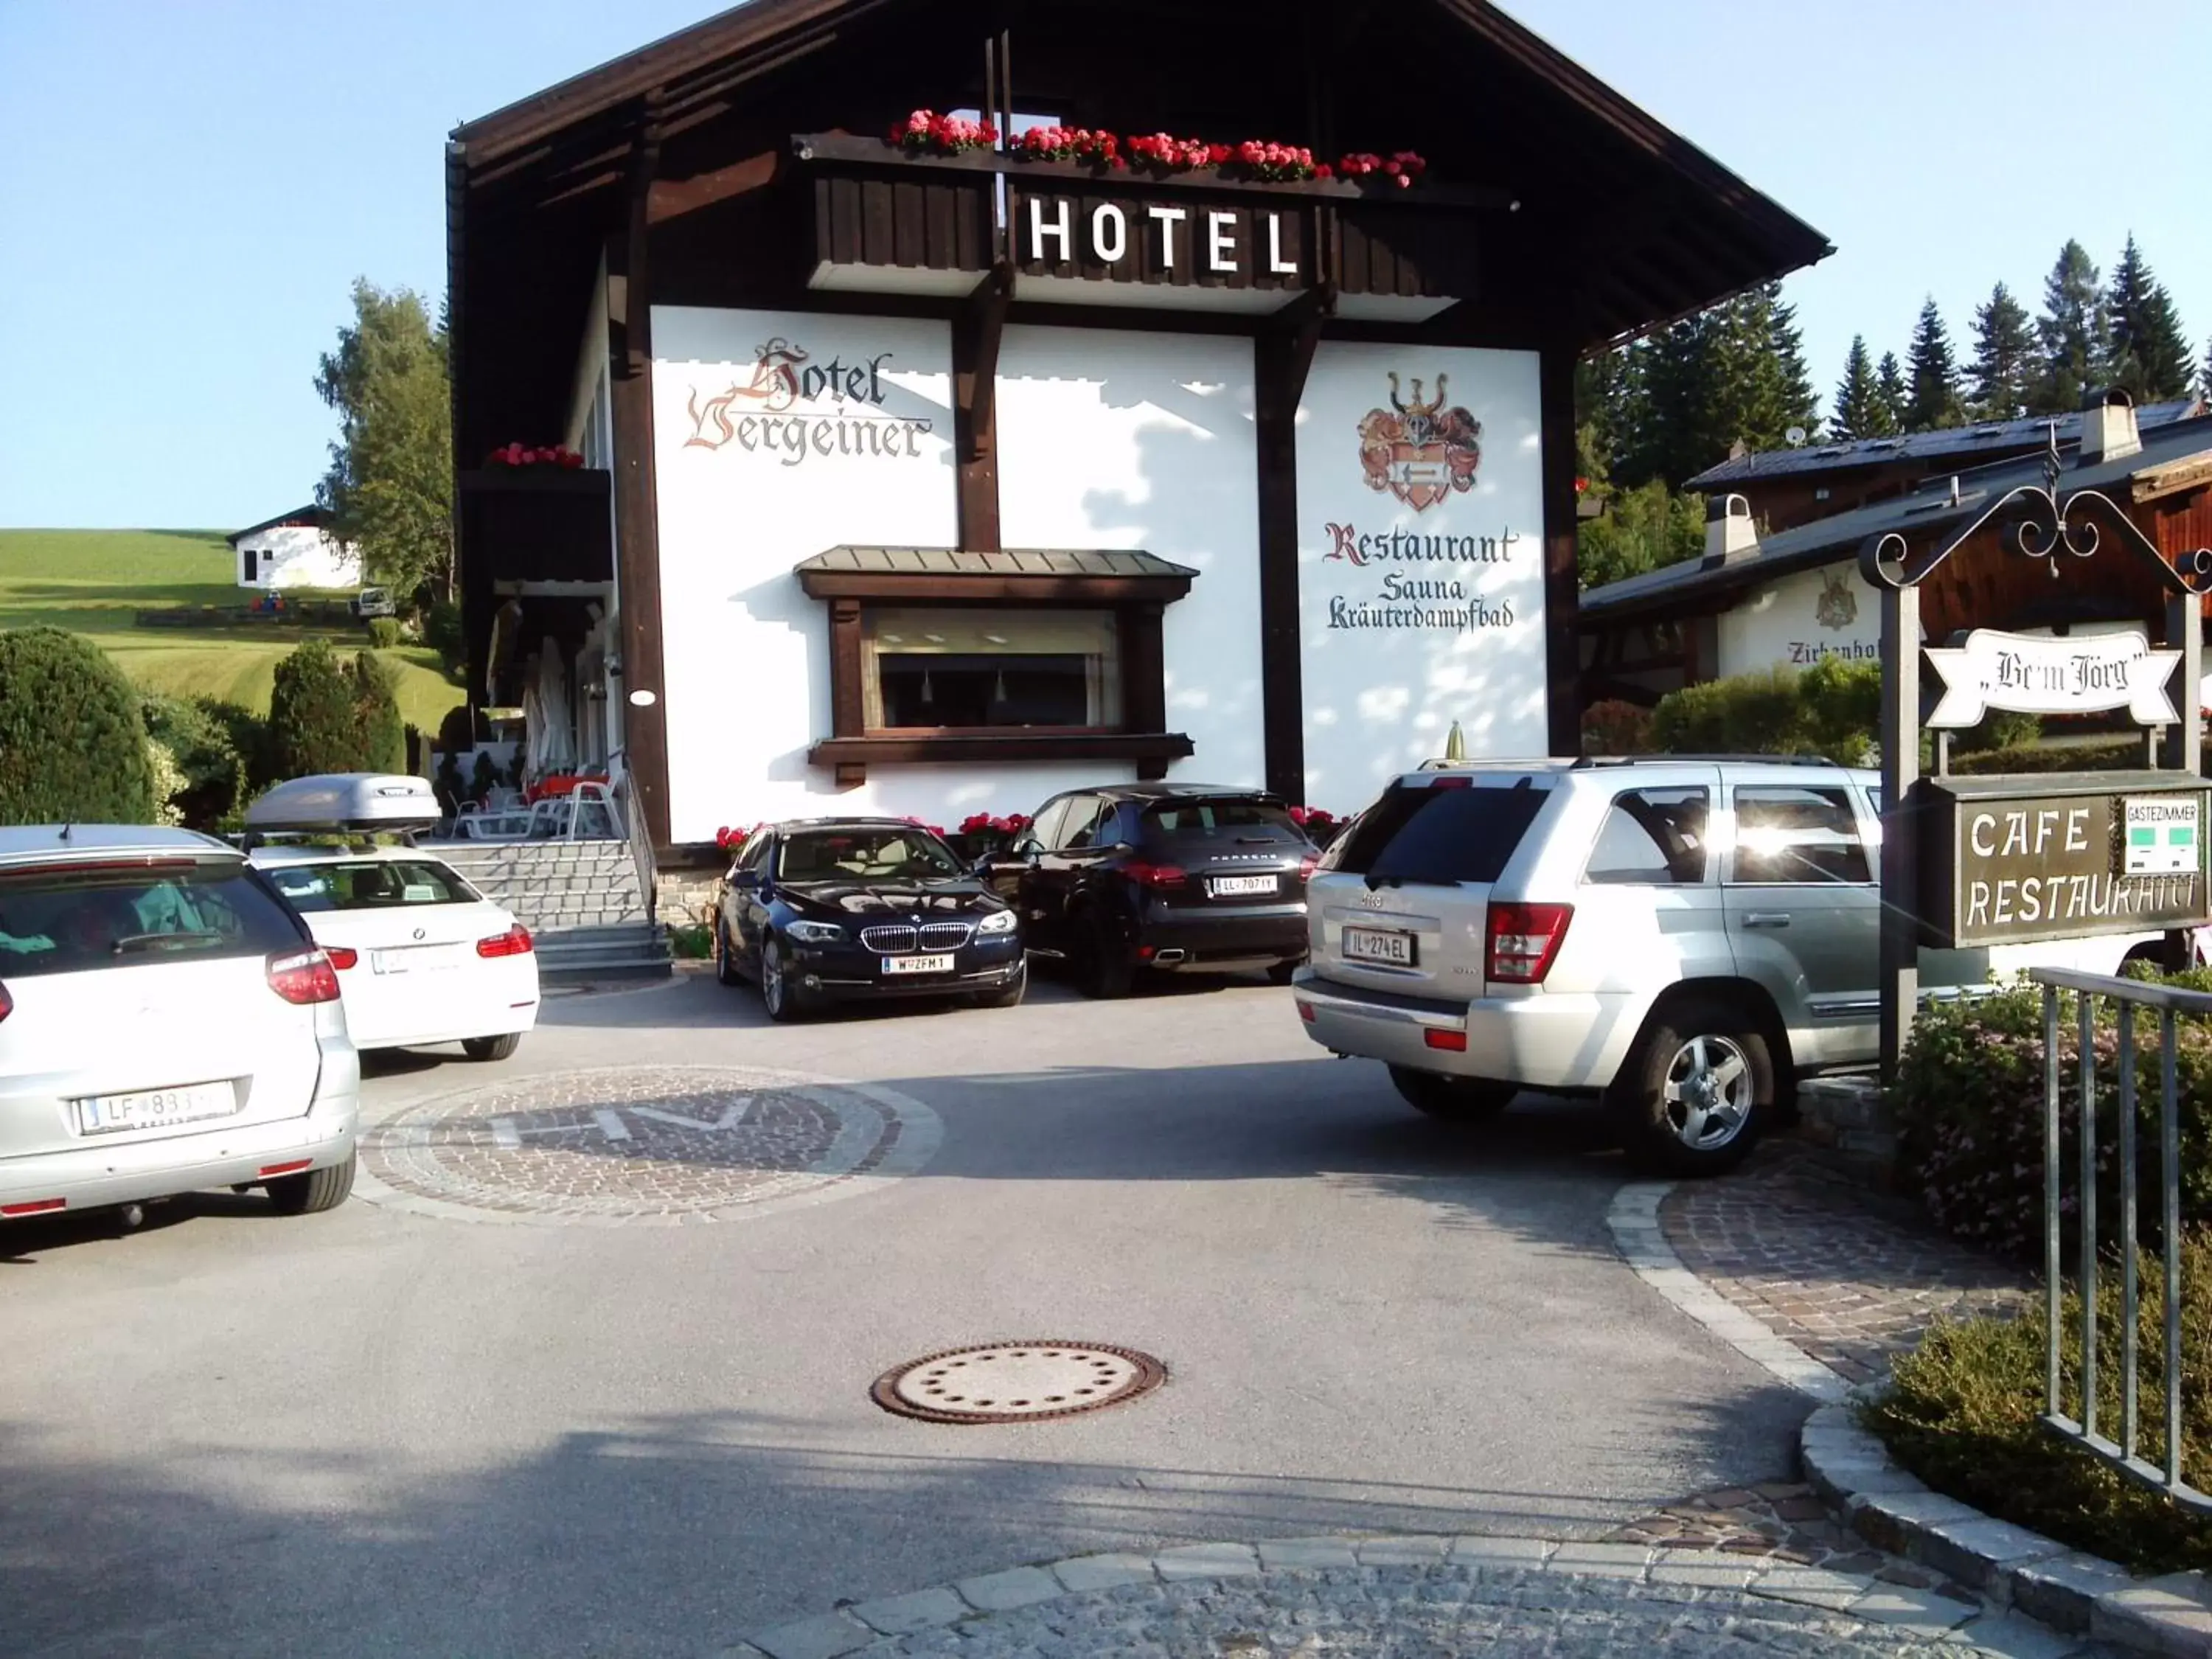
370	884
60	922
1228	818
890	853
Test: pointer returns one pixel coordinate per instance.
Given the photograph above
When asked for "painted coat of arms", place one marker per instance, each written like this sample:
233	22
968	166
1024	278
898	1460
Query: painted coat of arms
1838	606
1420	451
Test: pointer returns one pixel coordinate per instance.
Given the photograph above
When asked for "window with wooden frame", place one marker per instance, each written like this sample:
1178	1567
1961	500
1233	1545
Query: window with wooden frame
939	654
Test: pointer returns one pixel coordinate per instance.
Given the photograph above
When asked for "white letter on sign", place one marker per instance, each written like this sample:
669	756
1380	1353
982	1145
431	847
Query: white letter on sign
1167	218
1060	229
1276	263
1105	214
1221	241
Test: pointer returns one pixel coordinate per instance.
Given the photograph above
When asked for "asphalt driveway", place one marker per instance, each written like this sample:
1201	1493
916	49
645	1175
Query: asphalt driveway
497	1411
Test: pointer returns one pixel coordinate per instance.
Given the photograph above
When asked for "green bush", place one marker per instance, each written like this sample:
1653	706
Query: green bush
314	722
2001	728
1616	727
1969	1101
1962	1414
250	736
1832	708
383	632
441	632
2123	754
383	732
691	941
211	780
72	738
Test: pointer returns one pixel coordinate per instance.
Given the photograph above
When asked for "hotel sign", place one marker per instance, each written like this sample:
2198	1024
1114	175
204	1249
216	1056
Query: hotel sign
1120	236
2049	858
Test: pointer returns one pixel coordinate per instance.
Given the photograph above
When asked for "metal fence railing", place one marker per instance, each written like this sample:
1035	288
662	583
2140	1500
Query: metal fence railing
632	815
2129	998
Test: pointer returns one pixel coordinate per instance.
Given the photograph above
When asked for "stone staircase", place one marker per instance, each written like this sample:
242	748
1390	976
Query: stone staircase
580	899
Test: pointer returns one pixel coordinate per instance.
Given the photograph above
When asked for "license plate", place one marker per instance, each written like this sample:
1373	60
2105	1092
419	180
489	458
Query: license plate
917	964
1373	944
1238	887
415	959
151	1108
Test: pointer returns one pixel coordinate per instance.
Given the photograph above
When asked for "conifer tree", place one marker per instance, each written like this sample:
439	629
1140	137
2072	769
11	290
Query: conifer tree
2070	334
1889	386
1860	410
1933	399
2150	354
2003	369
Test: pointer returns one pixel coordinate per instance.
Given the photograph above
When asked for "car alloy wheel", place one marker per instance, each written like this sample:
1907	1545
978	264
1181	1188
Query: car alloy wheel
1709	1092
783	1000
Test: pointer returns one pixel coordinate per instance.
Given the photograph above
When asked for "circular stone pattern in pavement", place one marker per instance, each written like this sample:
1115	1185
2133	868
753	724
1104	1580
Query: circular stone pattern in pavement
643	1145
1404	1612
1017	1382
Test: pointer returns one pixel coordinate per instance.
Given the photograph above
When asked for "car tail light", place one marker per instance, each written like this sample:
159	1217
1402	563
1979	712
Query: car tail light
1308	865
341	957
1524	940
1454	781
34	1206
6	1003
514	942
1454	1041
292	1167
303	976
1306	1012
1155	875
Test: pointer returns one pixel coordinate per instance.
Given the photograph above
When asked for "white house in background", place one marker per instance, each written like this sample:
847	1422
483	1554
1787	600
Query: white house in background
294	550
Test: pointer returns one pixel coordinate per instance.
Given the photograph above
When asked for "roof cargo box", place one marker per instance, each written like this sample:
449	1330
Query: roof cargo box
347	801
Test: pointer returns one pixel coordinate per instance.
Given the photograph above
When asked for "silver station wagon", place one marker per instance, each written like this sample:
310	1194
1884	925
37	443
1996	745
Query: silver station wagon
1684	937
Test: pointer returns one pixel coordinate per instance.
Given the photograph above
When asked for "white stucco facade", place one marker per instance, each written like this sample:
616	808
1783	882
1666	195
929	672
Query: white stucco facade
286	555
780	435
1801	619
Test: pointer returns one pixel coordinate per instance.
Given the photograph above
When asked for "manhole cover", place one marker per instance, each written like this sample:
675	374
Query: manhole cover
642	1145
1017	1382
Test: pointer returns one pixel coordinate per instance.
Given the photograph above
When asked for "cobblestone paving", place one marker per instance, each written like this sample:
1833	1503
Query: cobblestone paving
1781	1521
649	1143
1411	1598
1848	1275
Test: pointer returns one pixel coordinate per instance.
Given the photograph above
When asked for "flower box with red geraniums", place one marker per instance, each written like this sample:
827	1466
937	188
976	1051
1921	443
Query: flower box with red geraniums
1070	145
1321	827
925	132
558	455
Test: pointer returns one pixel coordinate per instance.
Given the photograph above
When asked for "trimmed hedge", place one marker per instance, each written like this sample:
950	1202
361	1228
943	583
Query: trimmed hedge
2124	754
383	732
1969	1101
73	747
1617	727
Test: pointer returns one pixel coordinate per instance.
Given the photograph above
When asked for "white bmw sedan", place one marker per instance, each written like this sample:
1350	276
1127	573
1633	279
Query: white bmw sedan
421	956
166	1025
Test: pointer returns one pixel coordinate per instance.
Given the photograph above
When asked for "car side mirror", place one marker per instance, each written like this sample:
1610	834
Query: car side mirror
745	880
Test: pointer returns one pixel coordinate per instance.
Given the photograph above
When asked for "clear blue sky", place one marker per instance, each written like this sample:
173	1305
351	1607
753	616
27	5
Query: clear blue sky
188	189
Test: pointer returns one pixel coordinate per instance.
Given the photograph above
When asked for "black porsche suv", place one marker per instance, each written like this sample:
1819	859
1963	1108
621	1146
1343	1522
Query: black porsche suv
1168	876
821	910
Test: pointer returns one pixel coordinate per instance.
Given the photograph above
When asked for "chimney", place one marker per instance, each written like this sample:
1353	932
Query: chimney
1730	534
2108	429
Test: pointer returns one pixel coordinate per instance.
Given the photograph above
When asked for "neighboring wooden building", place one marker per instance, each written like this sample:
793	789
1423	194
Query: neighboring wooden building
293	549
1787	488
1758	600
931	483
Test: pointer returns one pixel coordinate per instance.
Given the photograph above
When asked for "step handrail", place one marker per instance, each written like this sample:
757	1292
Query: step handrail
633	828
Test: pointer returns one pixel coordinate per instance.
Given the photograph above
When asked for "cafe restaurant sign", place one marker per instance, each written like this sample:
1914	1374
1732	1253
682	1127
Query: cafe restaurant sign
2112	853
2031	674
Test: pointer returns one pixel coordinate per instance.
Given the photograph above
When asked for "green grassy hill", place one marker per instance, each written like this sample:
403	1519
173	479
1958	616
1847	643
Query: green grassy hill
95	581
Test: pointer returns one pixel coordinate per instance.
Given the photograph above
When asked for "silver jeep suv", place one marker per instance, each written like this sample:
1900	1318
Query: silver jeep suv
1685	936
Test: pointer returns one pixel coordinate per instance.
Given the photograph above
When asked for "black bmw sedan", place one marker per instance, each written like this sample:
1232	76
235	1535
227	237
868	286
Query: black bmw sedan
821	910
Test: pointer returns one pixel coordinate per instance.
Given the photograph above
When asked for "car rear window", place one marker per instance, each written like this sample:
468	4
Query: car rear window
61	921
369	884
1438	835
1230	818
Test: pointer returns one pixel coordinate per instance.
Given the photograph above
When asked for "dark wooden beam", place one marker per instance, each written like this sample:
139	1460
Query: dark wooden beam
1555	381
637	540
671	198
976	331
992	590
1281	358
